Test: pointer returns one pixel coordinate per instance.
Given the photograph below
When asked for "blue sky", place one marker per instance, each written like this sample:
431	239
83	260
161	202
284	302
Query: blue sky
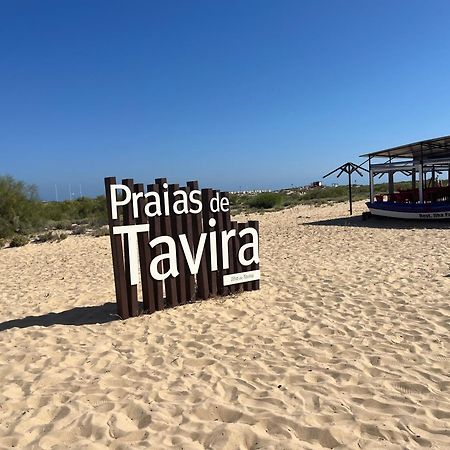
236	94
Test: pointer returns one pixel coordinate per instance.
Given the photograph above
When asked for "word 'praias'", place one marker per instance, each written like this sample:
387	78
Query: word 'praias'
180	203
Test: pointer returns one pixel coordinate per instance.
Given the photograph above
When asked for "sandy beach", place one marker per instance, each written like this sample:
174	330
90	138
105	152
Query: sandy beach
344	346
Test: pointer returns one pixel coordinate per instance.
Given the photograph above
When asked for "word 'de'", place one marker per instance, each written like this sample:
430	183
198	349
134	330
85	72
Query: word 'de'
179	242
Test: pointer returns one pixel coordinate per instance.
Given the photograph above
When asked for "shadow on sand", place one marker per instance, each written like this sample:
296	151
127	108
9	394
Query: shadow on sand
383	222
82	315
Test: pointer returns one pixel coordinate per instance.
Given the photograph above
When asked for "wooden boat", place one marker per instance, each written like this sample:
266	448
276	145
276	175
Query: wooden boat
416	211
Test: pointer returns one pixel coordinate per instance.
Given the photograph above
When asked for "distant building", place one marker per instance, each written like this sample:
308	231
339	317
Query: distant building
254	191
316	184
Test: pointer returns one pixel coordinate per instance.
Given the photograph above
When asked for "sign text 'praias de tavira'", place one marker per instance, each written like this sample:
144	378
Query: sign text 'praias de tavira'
180	242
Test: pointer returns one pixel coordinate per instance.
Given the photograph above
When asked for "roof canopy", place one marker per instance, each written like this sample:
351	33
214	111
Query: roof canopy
429	149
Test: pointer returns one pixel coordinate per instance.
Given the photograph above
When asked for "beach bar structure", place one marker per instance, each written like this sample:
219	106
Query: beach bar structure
423	162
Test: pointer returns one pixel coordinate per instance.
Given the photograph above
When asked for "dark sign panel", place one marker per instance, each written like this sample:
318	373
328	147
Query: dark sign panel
179	243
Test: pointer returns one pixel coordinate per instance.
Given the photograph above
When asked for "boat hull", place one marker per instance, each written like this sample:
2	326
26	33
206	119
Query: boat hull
427	211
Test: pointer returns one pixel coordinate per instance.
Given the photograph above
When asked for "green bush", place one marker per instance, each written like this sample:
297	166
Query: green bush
79	229
50	236
19	241
19	207
21	211
86	211
101	232
60	225
265	200
45	237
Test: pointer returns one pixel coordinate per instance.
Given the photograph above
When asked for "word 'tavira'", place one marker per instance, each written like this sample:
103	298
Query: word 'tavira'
179	242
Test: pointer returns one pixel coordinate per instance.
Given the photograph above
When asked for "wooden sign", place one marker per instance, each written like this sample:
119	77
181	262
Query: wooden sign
178	243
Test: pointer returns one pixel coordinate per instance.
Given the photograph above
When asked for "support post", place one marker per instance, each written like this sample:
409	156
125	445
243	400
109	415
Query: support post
117	256
413	184
421	183
128	219
371	184
372	187
350	191
350	168
391	185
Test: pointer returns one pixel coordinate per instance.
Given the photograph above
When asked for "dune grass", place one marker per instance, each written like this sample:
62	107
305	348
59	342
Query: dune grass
286	198
23	215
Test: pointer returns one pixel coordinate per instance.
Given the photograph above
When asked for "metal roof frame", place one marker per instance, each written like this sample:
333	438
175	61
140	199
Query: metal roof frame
422	150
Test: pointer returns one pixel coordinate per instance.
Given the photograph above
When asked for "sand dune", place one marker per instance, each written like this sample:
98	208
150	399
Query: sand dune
345	346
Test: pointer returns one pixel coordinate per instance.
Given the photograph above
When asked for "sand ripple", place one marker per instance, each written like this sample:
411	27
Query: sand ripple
345	346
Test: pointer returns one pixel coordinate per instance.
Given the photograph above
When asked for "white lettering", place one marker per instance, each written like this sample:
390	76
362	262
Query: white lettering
226	236
131	231
194	264
224	204
136	196
115	202
251	245
197	201
171	255
155	202
183	202
214	203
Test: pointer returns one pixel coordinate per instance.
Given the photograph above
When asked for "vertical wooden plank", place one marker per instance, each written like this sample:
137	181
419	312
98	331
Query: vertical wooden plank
207	215
187	230
197	230
177	229
128	219
242	241
226	220
222	290
247	240
148	298
155	231
255	266
236	246
117	255
166	229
